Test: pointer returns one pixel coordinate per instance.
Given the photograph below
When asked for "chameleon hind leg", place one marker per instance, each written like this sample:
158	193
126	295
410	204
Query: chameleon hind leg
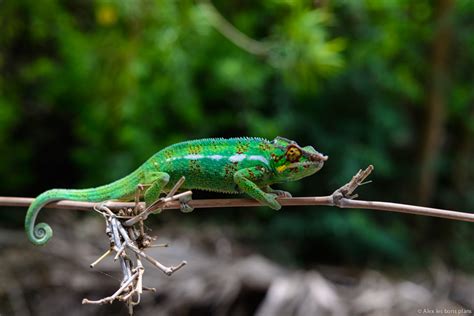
158	181
245	180
157	186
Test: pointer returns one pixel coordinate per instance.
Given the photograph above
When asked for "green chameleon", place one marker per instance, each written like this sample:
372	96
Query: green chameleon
234	165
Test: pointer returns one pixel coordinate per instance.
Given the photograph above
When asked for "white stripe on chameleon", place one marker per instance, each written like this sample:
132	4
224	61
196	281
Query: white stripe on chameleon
259	158
233	158
216	157
237	158
193	156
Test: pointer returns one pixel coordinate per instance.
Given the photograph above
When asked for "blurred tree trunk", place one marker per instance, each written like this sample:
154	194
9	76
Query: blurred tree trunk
433	132
462	173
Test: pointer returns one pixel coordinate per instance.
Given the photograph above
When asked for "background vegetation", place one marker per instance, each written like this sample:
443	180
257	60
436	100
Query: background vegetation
90	89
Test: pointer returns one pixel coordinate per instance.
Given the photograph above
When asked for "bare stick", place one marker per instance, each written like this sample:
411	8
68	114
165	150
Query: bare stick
118	243
111	298
237	202
341	198
93	264
166	270
120	251
159	204
141	270
158	246
346	190
176	187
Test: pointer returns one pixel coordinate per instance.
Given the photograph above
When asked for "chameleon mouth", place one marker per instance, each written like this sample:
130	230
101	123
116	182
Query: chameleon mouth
312	163
307	164
317	159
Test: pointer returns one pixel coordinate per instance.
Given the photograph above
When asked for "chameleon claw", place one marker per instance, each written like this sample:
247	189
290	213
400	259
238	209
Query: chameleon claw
272	202
282	194
184	206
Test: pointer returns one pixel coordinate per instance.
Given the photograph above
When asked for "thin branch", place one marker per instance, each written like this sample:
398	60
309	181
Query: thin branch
232	34
202	203
236	202
329	200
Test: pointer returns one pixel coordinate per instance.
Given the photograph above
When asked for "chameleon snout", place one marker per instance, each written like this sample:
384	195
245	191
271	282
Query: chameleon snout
318	157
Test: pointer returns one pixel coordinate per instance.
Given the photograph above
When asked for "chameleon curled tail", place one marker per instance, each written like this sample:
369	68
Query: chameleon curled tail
41	233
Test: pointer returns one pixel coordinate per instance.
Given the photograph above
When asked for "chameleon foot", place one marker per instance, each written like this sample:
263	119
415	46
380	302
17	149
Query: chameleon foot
184	206
272	202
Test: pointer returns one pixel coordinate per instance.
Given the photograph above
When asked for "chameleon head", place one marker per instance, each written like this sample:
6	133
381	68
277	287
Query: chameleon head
291	162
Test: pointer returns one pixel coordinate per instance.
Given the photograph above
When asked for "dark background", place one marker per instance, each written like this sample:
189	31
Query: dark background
90	89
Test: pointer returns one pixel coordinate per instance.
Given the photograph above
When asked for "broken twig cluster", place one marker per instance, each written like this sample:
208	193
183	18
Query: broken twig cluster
128	241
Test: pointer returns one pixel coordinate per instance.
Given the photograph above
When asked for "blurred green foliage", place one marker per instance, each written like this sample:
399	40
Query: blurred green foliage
90	89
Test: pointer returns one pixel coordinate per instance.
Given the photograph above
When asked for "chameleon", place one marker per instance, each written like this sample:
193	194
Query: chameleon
228	165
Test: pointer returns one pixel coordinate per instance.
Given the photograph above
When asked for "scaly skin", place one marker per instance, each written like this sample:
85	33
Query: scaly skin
247	164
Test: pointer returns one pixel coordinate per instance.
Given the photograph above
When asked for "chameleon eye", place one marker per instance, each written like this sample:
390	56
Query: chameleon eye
293	153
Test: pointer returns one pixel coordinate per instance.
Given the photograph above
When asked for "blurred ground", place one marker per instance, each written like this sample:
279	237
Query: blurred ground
223	277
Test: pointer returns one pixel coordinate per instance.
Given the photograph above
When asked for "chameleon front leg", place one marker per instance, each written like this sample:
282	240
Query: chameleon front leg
246	178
